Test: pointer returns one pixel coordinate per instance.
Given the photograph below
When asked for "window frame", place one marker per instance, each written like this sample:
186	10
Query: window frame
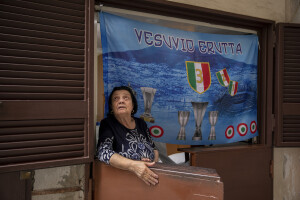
265	32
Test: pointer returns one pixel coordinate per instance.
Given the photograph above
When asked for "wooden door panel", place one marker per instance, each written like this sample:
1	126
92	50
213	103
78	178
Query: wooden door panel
245	171
175	182
14	187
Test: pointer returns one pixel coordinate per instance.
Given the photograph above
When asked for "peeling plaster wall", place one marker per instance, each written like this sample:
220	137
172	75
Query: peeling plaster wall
61	183
286	174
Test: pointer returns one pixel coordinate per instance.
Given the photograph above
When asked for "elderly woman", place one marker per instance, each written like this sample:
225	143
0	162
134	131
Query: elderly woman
124	140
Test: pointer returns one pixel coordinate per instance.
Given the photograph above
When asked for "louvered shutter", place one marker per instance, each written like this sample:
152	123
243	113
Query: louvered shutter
287	85
46	83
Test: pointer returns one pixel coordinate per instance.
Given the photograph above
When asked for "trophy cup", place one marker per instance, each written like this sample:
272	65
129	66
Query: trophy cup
213	117
148	95
199	111
133	91
183	118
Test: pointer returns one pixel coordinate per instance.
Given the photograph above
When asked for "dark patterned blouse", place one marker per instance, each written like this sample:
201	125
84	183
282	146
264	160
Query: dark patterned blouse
134	144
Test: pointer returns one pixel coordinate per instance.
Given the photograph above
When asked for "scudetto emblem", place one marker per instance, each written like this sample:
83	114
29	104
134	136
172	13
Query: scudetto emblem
223	77
233	86
198	75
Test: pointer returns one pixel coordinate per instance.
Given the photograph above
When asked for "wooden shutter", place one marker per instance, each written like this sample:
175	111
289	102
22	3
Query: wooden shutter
46	83
287	85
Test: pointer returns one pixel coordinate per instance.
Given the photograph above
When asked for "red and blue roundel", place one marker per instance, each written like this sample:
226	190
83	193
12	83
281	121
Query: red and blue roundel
156	131
253	127
229	133
242	129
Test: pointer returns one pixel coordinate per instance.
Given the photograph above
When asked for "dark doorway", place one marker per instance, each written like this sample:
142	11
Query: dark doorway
15	186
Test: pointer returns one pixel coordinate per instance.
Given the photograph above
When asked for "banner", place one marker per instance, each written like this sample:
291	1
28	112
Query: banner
192	88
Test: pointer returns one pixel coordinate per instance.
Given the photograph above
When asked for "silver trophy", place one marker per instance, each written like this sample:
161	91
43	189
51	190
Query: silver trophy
183	118
213	117
199	111
148	95
133	91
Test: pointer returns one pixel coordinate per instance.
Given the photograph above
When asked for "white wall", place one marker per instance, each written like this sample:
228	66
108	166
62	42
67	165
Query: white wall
286	174
266	9
292	12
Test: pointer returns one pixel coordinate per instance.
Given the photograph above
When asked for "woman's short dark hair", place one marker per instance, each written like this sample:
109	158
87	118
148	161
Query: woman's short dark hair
134	101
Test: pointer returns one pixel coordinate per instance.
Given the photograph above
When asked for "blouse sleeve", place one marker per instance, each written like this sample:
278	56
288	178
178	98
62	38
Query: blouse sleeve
150	139
146	130
105	143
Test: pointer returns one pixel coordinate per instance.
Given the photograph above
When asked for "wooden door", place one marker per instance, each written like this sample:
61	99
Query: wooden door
244	170
15	186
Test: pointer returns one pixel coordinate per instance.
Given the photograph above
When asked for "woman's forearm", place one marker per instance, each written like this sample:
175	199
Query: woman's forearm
120	162
139	168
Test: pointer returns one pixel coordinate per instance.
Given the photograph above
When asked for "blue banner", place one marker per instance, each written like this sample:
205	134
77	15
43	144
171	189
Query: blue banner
192	88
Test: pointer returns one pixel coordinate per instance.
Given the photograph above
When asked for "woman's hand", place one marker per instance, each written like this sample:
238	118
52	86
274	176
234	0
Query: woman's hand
140	168
146	160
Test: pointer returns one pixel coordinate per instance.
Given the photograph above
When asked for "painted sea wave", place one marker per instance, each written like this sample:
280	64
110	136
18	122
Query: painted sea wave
167	74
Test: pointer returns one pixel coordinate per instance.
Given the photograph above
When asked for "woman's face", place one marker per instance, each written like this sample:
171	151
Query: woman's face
121	103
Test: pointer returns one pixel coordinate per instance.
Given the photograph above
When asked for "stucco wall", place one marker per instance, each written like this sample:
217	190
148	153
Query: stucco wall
266	9
286	174
292	11
60	183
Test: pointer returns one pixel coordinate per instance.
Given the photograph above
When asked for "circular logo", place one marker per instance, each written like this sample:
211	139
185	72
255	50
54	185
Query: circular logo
253	127
242	129
156	131
229	133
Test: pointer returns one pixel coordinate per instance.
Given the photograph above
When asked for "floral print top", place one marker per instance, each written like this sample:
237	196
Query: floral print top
134	144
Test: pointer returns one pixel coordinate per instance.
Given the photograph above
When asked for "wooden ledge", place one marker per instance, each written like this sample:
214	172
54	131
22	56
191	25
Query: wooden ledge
175	182
198	149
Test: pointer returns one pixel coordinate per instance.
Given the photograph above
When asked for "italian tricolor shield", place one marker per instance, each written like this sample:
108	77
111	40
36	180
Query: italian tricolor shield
233	86
198	74
223	77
